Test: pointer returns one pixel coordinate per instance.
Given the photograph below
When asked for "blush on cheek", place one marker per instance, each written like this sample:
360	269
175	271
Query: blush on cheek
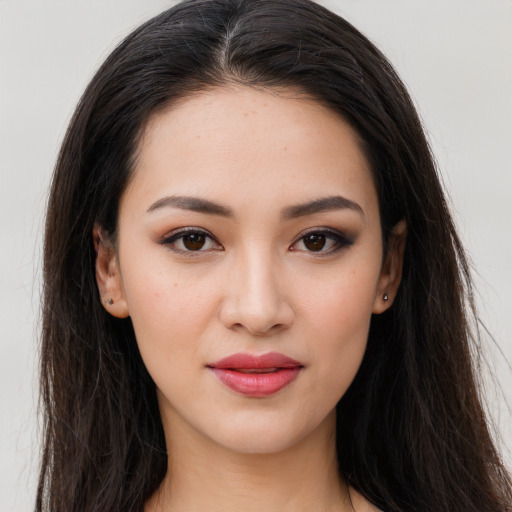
342	364
345	327
345	309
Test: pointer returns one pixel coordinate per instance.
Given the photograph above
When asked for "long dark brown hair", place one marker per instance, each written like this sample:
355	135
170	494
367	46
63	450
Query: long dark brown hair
412	433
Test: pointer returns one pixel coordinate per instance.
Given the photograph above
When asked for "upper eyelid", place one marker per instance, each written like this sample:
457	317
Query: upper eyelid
322	230
176	233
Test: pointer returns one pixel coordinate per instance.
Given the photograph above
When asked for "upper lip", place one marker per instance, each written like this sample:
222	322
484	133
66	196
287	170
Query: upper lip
246	361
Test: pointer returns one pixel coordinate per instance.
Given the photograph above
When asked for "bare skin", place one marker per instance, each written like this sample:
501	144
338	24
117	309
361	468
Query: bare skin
278	263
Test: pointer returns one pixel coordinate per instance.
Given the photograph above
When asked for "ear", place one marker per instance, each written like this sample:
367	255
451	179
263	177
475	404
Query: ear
391	272
108	277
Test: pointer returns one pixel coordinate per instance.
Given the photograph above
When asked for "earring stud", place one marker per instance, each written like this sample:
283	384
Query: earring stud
109	302
385	297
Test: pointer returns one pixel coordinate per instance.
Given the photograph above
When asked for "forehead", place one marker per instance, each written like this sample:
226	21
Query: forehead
246	145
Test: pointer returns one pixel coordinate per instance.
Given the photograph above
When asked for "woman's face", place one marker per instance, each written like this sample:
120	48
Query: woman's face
251	226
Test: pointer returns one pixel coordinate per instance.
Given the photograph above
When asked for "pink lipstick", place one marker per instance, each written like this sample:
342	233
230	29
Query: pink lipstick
256	375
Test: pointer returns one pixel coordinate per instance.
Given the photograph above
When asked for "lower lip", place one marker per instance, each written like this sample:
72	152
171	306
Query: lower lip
257	384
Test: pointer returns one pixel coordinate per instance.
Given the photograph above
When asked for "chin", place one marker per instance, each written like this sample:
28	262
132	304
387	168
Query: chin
266	436
259	442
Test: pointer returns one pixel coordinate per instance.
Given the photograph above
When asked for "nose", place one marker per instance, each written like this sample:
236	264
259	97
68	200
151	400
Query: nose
255	298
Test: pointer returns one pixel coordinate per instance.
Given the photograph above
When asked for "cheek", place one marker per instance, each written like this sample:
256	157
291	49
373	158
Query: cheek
342	300
340	314
342	347
169	312
169	319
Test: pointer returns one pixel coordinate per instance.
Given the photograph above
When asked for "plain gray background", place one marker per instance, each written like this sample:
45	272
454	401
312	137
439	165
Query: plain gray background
454	55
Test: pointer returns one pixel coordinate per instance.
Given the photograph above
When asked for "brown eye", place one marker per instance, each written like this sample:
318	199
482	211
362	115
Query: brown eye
191	240
314	242
194	241
322	241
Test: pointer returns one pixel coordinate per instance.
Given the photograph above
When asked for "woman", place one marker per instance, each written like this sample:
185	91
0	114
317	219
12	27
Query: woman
255	297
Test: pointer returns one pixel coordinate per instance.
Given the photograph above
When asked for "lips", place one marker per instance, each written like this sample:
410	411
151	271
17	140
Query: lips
256	375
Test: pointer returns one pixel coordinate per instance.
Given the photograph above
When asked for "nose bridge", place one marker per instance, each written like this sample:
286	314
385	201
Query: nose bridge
255	297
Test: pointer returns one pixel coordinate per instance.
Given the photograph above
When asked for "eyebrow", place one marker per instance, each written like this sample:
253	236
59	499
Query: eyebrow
197	204
320	205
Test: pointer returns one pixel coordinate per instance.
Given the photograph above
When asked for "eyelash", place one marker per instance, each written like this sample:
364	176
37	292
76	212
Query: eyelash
340	241
180	234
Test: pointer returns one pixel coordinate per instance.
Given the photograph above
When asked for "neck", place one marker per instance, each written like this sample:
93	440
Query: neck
202	475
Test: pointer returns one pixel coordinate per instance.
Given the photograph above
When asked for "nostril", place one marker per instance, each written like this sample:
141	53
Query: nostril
258	329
